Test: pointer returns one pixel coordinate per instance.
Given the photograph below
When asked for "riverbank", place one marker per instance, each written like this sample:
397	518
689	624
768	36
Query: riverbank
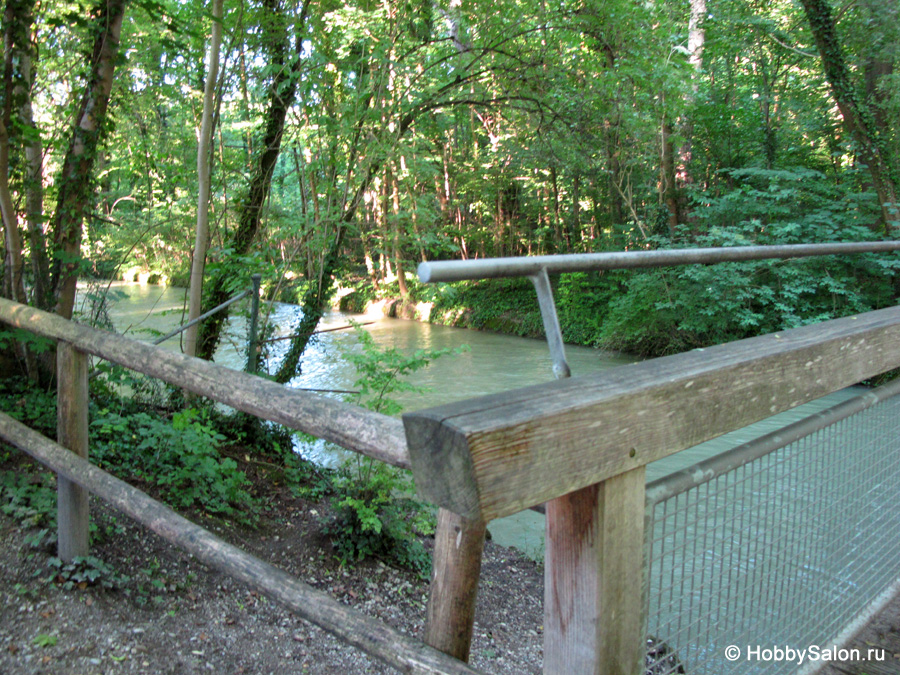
653	312
505	306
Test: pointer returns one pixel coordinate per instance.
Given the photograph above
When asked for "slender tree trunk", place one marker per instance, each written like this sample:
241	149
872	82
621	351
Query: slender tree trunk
74	181
880	65
19	54
574	234
668	188
696	43
614	177
858	117
13	283
394	187
282	93
204	148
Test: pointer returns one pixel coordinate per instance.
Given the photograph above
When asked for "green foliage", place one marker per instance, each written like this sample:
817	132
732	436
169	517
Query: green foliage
180	456
375	514
582	303
666	311
376	518
44	640
30	498
502	305
362	292
381	371
37	344
83	572
29	404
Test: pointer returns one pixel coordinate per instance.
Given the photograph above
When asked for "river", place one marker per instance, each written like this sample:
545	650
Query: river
493	363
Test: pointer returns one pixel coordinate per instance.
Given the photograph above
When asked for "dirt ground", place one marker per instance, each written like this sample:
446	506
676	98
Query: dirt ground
169	614
173	615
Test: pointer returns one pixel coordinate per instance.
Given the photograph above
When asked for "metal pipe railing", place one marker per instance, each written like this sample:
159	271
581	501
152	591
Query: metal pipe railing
492	268
218	308
538	267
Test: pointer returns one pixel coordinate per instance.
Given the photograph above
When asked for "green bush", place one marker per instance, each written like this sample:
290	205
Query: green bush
502	305
669	310
31	405
375	514
180	456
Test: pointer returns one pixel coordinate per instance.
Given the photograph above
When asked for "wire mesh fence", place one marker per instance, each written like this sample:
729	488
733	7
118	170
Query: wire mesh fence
774	546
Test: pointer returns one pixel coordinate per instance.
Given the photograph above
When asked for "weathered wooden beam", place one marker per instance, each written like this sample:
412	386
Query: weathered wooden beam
371	635
593	576
73	511
495	455
450	616
354	428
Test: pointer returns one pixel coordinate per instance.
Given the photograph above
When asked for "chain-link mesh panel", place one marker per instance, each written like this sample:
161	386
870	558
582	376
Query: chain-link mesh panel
785	550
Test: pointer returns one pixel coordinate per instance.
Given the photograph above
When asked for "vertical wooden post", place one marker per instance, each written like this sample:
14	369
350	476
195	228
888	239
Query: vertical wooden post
593	578
73	517
458	547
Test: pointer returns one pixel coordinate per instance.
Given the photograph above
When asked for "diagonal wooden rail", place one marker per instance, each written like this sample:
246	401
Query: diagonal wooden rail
357	429
371	635
354	428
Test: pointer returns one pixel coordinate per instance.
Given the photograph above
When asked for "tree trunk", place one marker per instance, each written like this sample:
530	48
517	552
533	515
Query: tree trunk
668	189
282	93
858	117
880	62
204	147
696	43
574	234
17	116
393	185
74	181
13	283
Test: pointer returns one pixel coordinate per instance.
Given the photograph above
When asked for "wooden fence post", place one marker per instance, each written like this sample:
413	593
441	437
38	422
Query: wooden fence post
458	547
73	516
593	579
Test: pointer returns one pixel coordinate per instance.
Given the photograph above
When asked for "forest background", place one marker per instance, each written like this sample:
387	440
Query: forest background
326	143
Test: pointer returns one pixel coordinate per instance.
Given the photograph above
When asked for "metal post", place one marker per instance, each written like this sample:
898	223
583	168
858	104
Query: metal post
253	343
551	323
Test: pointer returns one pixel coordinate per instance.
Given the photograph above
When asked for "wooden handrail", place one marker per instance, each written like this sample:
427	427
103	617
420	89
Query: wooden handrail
492	456
371	635
354	428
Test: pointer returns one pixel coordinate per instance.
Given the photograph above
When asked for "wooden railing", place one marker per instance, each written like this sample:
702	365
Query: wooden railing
581	445
354	428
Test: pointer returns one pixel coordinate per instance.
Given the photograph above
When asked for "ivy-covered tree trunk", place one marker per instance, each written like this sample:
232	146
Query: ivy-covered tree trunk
74	180
314	303
281	95
858	117
13	282
880	70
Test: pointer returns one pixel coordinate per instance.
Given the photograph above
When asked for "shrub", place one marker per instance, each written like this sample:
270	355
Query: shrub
180	456
375	514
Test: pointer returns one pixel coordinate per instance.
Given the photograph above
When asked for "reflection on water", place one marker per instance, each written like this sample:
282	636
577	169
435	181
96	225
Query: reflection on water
493	364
